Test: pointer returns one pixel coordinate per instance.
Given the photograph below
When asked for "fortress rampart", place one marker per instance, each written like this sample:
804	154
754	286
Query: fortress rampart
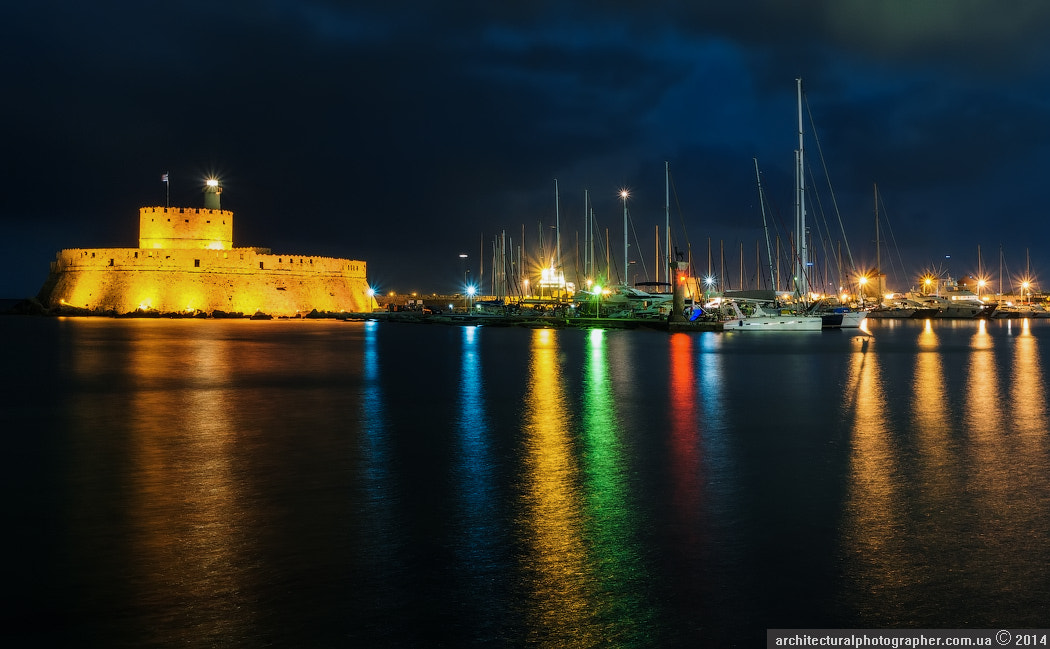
245	280
186	262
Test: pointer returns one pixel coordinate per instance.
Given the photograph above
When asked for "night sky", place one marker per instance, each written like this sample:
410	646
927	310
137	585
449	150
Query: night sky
405	134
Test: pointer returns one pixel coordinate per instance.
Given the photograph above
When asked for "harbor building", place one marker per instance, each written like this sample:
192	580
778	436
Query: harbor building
186	262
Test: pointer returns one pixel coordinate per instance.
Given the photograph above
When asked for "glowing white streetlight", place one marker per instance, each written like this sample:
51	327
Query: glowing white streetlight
623	195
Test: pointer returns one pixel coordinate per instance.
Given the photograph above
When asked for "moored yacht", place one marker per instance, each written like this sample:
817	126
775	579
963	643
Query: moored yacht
902	308
758	319
958	304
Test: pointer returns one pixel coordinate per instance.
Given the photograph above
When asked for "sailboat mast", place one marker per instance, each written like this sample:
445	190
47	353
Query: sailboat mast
1000	272
980	273
878	254
586	236
802	263
667	215
557	226
657	239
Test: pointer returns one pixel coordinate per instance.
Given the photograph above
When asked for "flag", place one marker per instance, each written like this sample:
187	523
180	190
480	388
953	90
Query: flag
164	178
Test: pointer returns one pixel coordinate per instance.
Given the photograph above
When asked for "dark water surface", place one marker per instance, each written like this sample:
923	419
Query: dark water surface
323	483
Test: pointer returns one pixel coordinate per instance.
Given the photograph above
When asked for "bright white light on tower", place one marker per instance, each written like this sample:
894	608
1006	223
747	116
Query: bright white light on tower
213	182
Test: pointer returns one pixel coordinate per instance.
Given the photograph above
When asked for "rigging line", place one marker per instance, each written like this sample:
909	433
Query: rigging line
691	272
824	240
1009	281
786	243
831	190
762	205
638	244
893	238
681	218
601	246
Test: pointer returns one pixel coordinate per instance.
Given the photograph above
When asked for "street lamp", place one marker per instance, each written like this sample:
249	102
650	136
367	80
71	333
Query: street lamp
470	297
709	281
624	194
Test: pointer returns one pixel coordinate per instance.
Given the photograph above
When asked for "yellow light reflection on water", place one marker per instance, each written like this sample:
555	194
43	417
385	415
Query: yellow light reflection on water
557	557
932	426
1027	390
873	533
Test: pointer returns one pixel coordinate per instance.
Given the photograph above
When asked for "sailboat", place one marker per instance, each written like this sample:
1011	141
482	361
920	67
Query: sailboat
833	312
763	313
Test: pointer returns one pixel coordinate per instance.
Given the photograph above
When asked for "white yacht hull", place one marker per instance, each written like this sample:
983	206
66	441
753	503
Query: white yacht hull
853	319
774	323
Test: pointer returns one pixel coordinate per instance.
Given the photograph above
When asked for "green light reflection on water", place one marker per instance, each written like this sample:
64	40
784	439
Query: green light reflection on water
611	521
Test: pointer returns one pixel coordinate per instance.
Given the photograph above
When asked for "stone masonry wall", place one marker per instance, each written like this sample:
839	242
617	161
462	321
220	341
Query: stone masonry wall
237	280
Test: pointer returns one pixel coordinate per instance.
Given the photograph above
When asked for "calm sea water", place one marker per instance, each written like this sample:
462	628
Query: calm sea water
323	483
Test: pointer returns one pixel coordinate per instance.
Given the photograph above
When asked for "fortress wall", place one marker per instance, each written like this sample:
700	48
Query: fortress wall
181	228
238	280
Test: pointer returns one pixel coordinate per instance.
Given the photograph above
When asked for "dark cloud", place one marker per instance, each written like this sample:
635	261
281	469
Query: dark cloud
406	134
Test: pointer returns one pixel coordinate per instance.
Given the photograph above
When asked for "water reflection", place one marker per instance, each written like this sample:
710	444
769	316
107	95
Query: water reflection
685	435
183	516
1028	391
379	539
561	588
873	528
948	502
619	607
479	564
931	421
374	439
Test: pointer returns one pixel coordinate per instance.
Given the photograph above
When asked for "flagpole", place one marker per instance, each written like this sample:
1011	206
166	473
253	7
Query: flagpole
167	190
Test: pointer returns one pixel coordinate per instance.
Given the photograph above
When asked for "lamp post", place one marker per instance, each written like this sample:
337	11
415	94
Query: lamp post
624	194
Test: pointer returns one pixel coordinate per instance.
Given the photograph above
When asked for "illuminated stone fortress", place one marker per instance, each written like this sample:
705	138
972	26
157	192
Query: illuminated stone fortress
186	263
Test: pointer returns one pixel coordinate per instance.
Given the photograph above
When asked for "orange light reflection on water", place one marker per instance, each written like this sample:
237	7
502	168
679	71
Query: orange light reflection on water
873	528
183	502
